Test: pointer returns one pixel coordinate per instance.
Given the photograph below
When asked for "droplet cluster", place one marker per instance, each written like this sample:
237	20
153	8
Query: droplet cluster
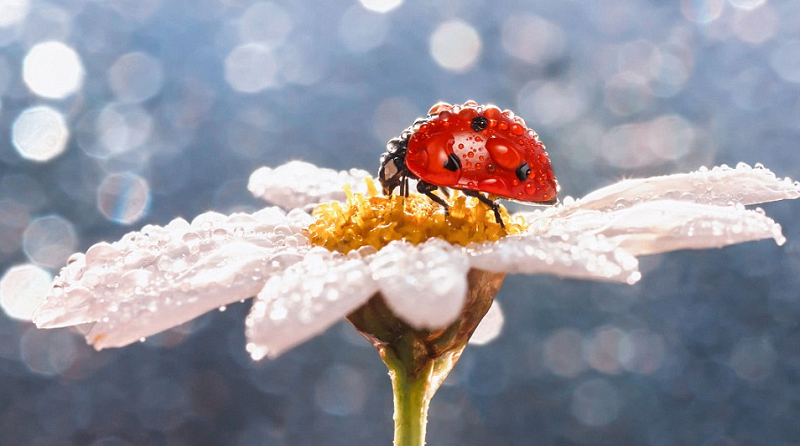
424	285
720	185
701	209
306	299
297	184
566	254
159	277
491	144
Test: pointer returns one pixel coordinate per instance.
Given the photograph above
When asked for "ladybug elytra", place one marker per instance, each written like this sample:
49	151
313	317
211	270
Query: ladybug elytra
473	148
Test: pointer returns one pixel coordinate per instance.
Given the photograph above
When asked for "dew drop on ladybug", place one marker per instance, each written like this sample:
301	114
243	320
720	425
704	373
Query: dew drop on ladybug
516	164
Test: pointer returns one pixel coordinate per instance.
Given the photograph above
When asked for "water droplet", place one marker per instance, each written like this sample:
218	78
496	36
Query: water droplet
100	253
283	230
165	263
90	279
284	259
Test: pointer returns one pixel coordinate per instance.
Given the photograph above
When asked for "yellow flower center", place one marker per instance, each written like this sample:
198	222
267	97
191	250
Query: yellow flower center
377	220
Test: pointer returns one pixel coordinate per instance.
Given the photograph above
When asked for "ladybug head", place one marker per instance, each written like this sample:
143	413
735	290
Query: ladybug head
481	148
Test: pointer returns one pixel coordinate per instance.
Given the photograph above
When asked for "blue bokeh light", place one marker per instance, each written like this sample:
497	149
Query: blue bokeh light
165	108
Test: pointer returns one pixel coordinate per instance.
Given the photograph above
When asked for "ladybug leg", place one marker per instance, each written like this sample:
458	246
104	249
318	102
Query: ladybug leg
485	200
427	189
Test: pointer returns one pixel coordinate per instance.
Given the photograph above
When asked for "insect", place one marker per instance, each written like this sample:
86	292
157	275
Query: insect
474	148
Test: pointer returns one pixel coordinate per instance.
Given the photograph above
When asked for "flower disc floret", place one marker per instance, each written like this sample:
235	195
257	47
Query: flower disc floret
374	220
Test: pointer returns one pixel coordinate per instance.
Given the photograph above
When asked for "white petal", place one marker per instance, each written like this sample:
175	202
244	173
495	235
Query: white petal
567	255
297	184
305	300
425	285
161	277
660	226
720	185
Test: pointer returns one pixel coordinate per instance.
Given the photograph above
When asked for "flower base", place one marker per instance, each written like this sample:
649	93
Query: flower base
420	360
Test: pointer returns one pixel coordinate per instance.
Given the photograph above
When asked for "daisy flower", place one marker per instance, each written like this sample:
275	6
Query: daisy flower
412	280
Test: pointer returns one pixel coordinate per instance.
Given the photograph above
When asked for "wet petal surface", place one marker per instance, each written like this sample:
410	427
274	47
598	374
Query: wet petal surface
566	255
305	300
425	285
161	277
297	184
721	186
661	226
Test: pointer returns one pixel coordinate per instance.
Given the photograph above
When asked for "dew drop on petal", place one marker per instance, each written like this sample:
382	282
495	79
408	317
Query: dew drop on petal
100	253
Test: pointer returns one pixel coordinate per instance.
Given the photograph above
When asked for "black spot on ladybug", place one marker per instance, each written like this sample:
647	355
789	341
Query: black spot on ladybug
523	170
479	123
453	163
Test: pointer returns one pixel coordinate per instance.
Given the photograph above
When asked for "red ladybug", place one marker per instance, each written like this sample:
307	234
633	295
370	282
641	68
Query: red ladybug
473	148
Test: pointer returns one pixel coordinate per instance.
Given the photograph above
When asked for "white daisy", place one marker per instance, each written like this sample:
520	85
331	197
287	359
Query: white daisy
160	277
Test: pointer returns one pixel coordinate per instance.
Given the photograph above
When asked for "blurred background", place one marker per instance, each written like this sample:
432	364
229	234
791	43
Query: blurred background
115	114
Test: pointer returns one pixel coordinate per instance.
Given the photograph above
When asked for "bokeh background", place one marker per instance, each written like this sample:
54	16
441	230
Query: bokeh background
115	114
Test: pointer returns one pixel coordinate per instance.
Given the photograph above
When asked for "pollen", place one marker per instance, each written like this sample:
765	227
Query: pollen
375	220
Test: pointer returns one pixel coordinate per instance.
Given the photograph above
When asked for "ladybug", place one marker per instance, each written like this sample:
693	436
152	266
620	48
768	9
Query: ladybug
473	148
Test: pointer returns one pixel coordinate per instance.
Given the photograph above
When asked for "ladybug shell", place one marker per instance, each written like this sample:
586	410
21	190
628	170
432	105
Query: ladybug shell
489	158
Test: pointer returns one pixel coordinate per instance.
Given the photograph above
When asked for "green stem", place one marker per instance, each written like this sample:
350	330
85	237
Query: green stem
412	395
420	360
